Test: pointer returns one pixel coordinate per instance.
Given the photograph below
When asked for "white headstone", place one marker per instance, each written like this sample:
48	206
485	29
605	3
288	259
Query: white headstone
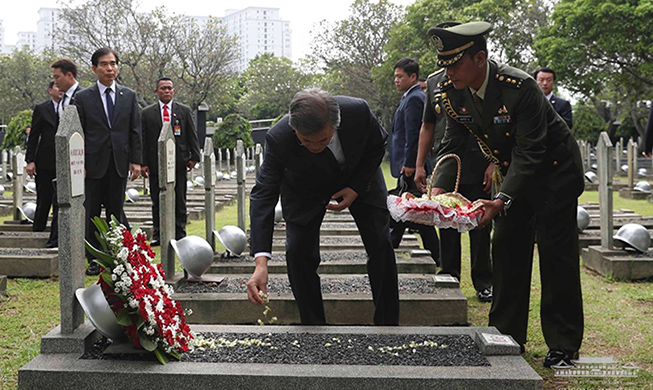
170	161
76	152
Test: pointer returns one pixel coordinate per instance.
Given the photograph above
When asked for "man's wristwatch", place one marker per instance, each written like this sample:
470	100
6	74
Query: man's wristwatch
507	201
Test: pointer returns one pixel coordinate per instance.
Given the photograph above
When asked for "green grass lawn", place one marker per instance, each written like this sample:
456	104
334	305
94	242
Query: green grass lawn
618	315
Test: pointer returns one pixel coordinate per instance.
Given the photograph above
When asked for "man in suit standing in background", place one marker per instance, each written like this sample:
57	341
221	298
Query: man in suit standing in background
327	148
546	78
403	150
40	155
111	120
186	145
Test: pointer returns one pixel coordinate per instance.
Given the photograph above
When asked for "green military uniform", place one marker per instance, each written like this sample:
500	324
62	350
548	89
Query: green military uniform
539	173
471	186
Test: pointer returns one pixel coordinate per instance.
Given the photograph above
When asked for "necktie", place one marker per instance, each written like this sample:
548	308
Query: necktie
478	102
109	105
166	114
61	106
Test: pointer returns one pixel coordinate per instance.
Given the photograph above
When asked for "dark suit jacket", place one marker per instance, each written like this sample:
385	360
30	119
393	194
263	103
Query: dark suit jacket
648	134
306	181
122	140
405	132
563	108
40	144
539	157
187	145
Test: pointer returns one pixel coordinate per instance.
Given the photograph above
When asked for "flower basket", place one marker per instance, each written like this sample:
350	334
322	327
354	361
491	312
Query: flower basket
136	291
449	210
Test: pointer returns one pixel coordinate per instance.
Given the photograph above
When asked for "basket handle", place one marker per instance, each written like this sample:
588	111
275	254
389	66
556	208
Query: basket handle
437	165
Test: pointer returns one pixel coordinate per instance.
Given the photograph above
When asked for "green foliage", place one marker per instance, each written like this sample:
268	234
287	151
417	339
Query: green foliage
24	78
233	128
270	83
588	124
16	135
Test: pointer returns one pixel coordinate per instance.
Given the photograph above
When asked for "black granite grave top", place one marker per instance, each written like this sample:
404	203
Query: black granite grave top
25	252
330	285
325	256
322	349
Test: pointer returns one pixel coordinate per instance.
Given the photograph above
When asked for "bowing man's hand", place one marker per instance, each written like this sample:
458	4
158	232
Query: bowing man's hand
492	208
348	197
257	285
135	170
145	171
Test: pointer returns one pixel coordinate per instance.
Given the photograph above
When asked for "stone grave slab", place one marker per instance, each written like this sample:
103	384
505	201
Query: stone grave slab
25	240
347	301
629	193
366	366
615	185
29	263
340	262
618	264
344	243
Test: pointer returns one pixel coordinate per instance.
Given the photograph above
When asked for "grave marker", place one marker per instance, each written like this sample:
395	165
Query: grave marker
167	167
209	192
240	174
632	166
228	155
258	157
604	155
17	167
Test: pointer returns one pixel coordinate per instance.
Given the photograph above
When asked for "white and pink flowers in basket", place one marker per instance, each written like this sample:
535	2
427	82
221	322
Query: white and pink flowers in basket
137	292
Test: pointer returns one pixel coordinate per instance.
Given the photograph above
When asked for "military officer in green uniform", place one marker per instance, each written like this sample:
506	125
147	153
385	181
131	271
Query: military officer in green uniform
473	182
537	179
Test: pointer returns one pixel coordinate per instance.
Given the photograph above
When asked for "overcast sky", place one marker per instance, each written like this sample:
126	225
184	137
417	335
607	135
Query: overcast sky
303	15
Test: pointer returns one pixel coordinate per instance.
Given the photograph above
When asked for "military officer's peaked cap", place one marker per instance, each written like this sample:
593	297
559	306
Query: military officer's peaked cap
452	39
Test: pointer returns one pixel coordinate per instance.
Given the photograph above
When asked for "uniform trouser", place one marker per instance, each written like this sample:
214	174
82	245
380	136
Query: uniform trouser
44	194
181	215
427	233
109	191
479	246
512	252
303	258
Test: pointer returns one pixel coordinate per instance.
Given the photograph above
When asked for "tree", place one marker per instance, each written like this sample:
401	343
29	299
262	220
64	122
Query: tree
16	130
348	50
24	81
152	45
233	128
587	123
603	49
270	83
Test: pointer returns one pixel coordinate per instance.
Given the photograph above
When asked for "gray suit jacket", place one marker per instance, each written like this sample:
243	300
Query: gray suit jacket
122	140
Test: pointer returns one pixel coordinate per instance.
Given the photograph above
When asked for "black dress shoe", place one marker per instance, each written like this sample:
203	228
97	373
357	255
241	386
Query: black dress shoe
155	243
53	244
557	358
93	269
484	295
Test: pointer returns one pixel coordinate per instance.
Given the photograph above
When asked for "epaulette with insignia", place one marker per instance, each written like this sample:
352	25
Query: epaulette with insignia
508	80
437	72
444	85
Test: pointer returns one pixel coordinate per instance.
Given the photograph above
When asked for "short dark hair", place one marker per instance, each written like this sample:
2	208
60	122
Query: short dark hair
480	44
311	110
102	52
50	85
408	65
160	79
544	69
65	65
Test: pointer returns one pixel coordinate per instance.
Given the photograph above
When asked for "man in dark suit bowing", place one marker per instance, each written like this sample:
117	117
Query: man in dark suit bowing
111	120
187	151
328	148
546	79
40	150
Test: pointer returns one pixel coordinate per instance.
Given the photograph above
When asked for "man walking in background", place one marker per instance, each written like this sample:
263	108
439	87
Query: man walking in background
546	79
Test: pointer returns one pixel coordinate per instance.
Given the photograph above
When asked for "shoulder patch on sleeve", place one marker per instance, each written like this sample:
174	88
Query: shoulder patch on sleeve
508	80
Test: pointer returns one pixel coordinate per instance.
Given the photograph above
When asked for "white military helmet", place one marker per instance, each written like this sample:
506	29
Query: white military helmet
591	177
195	254
595	167
642	172
133	195
624	168
189	185
278	212
582	218
233	238
199	180
643	186
29	211
635	236
227	176
30	187
2	190
219	175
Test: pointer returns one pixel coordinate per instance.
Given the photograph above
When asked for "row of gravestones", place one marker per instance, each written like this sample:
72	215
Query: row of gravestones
625	263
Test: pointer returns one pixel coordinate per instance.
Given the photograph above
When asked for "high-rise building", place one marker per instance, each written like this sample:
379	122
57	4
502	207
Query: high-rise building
259	30
49	22
26	39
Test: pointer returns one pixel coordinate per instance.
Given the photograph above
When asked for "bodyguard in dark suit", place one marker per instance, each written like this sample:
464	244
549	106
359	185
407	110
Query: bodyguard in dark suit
111	121
403	150
475	183
187	151
648	134
545	78
64	74
327	148
539	176
40	155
